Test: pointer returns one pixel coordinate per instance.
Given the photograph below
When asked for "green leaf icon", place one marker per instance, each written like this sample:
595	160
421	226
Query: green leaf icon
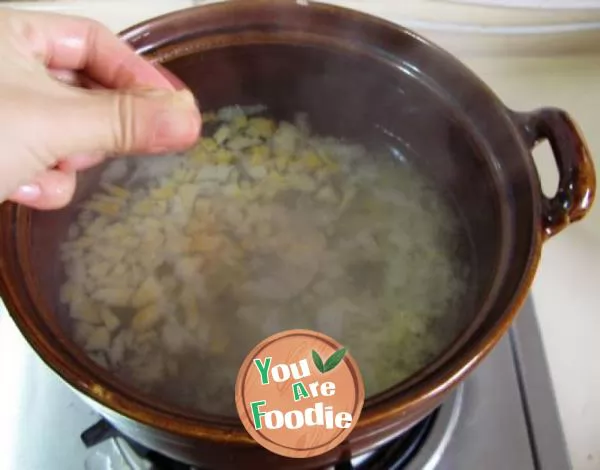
334	360
318	361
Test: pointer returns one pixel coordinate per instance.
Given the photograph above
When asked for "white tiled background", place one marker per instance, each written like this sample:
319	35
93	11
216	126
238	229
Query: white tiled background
459	25
563	4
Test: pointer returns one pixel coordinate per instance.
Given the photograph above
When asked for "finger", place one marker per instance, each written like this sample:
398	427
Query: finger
69	42
75	78
53	189
81	162
109	122
174	80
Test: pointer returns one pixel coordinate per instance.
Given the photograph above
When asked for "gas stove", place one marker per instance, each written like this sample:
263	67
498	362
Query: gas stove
503	417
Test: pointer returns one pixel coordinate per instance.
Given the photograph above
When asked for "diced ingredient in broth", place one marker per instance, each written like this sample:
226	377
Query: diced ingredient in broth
179	265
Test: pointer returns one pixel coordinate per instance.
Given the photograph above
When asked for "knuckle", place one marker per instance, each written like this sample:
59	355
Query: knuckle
124	135
93	27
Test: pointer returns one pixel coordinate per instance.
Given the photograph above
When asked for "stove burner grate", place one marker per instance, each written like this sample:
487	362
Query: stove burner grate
394	455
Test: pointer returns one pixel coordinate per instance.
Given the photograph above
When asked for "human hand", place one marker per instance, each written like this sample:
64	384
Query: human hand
50	129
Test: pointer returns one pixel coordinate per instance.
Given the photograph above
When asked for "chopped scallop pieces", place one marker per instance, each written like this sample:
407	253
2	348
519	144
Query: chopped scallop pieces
310	160
148	292
232	189
260	127
285	140
302	182
98	340
205	243
149	226
110	320
116	353
144	340
151	242
84	242
113	296
104	207
257	172
259	154
222	134
143	208
188	194
164	192
218	173
229	113
66	292
115	190
151	254
146	318
208	143
112	255
327	194
99	270
176	242
241	142
223	157
189	268
189	299
87	312
239	122
99	358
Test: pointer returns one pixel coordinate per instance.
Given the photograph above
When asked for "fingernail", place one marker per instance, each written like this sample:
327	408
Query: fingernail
171	78
184	99
153	92
28	192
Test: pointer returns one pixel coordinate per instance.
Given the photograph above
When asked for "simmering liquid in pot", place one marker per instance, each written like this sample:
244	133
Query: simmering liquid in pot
179	265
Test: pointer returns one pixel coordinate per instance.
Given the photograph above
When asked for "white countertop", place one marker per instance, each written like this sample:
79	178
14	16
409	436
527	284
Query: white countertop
566	289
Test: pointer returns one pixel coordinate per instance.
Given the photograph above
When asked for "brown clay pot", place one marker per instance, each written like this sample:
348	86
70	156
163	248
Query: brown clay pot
360	77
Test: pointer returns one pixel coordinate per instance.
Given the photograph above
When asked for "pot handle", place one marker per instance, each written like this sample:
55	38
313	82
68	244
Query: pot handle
577	177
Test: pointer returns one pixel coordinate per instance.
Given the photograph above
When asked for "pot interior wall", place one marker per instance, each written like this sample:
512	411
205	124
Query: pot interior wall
345	95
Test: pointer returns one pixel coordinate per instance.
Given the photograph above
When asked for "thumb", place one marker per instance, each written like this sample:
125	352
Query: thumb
117	122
